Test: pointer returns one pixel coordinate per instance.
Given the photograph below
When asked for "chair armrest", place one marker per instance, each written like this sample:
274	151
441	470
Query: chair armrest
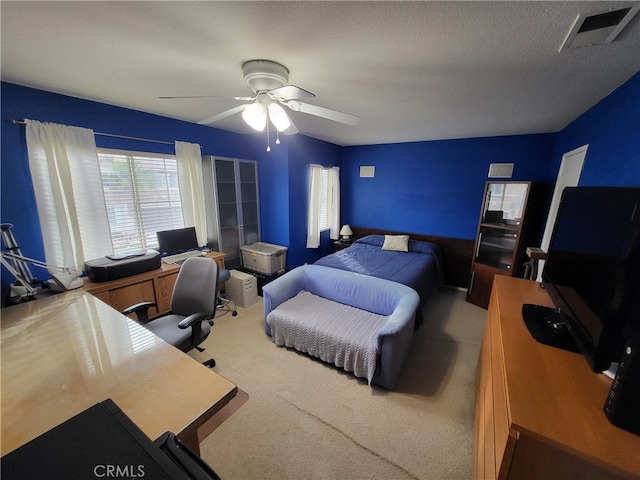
280	290
193	318
137	307
141	310
394	341
283	288
402	317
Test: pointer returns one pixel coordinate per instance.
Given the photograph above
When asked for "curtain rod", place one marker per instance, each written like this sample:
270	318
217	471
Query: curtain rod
113	135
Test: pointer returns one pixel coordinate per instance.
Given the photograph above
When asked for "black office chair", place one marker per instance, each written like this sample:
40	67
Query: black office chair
193	306
224	300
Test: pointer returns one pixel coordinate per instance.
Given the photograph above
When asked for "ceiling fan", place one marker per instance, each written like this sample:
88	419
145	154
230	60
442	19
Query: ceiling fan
268	80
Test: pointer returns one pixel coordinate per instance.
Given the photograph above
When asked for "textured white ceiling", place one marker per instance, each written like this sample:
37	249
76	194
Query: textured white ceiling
411	70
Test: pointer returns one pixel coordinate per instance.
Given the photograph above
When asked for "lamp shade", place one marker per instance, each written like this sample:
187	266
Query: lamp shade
256	116
346	231
279	117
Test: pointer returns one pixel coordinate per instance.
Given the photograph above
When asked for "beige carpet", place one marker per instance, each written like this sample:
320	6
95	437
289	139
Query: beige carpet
308	420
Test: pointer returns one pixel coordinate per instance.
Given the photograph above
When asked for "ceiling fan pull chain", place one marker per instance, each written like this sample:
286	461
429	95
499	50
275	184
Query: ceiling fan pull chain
268	146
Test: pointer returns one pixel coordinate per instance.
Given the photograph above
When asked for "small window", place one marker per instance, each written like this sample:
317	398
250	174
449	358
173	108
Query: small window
141	195
324	206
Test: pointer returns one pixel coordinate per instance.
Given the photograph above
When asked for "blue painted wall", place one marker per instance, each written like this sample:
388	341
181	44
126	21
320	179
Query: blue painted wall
302	152
17	197
273	178
436	187
612	130
423	187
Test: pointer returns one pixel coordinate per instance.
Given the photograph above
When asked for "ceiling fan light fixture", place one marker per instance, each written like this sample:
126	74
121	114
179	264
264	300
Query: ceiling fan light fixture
255	116
269	81
263	75
279	117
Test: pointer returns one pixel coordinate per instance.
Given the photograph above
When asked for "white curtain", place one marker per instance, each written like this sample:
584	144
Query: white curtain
68	188
333	202
190	179
315	204
332	205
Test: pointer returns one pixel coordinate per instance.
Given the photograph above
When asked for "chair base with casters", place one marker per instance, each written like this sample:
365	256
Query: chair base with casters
193	306
224	300
207	363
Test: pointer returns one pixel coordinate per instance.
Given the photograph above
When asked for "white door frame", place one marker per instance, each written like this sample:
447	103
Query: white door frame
568	176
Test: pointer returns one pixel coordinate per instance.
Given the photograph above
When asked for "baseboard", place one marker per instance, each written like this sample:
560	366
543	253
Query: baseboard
455	287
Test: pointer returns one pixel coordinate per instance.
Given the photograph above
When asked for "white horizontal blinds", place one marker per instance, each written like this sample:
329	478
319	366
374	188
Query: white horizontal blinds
330	205
333	202
142	197
324	205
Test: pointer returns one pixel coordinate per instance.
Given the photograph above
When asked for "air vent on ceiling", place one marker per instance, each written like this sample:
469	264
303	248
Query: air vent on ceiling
595	29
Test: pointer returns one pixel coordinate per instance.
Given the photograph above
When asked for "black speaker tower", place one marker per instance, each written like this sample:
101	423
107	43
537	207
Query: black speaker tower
622	407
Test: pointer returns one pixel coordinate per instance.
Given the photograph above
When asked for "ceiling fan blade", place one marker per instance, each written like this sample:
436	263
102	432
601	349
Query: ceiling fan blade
208	96
327	113
186	96
289	92
225	114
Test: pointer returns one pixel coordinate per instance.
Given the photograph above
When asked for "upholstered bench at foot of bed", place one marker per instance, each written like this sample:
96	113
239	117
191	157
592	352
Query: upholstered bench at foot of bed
335	333
345	314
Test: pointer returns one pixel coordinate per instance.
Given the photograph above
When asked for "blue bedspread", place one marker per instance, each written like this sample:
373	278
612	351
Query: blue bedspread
420	268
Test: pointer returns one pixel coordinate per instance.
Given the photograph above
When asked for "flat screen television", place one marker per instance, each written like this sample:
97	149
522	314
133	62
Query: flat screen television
179	240
592	275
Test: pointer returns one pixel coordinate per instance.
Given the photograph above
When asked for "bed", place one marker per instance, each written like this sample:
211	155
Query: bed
421	267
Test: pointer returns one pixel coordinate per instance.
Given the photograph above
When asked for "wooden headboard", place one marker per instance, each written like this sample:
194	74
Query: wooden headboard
457	253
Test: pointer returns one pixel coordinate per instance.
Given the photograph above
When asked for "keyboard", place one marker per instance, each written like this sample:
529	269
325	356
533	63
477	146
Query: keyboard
179	258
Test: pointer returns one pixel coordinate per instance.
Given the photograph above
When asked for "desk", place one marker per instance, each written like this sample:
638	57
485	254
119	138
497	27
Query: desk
154	286
64	353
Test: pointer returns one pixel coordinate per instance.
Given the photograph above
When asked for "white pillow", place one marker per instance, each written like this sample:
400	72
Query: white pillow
396	243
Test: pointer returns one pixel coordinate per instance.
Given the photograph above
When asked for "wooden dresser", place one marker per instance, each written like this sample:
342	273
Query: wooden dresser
539	409
153	286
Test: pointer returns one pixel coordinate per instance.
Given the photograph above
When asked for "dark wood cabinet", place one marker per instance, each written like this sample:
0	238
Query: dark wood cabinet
510	220
480	284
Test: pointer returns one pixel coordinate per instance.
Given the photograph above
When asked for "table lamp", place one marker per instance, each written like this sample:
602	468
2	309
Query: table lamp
345	233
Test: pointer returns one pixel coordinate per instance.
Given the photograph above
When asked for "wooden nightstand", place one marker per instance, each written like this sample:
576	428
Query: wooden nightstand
340	244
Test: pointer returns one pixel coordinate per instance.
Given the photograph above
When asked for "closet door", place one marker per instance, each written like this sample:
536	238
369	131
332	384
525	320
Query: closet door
233	214
249	230
229	234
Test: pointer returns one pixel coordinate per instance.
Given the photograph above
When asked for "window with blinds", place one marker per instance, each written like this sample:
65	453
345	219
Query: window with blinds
141	195
324	206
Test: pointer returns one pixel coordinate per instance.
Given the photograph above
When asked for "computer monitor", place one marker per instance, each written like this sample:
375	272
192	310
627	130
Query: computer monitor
171	242
592	271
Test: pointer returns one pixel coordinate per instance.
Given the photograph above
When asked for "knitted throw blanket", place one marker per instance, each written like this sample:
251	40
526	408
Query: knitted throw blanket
335	333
